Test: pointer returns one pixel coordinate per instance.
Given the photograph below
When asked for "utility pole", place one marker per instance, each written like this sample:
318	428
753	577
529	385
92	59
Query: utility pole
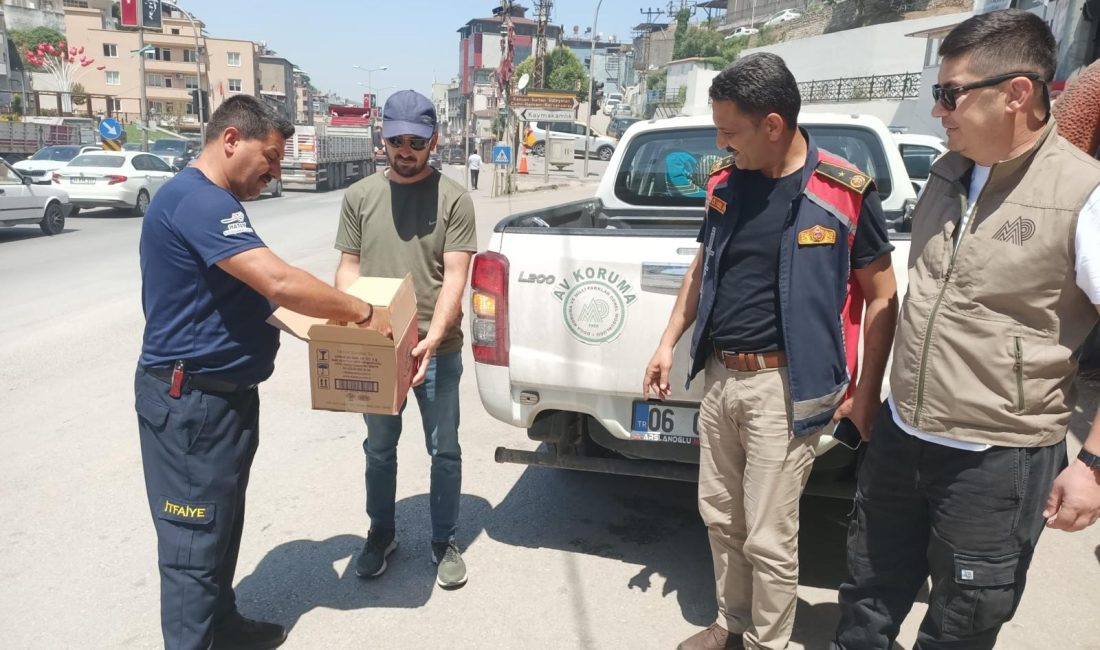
538	75
141	84
591	91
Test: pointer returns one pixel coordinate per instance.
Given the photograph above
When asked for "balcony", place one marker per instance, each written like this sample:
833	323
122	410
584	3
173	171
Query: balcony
179	40
170	67
172	94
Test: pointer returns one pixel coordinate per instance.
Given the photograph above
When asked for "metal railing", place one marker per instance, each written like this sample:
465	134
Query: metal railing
856	89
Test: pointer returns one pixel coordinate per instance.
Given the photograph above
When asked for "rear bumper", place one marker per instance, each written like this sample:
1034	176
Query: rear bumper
611	415
97	198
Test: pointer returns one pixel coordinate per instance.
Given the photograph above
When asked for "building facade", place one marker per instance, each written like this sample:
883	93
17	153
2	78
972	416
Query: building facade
277	85
173	67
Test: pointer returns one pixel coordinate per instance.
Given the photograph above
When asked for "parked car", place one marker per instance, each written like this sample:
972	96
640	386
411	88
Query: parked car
434	160
23	202
742	32
49	159
380	159
118	179
131	146
782	17
453	155
611	102
618	125
919	152
177	153
599	145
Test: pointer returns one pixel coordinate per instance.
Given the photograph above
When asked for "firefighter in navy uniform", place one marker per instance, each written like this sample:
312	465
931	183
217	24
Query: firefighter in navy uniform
793	247
208	285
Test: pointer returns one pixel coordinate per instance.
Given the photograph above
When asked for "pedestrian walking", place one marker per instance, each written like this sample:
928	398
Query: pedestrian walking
208	285
968	459
413	220
793	247
474	163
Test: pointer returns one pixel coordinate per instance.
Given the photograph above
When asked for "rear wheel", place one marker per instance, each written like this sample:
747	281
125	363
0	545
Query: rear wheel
605	152
142	204
278	191
53	220
539	149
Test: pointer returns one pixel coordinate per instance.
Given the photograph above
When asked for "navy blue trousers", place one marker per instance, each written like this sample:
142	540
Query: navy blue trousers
196	452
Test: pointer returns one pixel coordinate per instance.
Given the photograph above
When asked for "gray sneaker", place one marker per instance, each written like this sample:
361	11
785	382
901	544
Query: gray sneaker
452	570
371	562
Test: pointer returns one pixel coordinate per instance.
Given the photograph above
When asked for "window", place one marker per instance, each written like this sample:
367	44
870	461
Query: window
112	78
158	165
9	177
110	50
918	160
169	109
671	167
167	82
140	163
189	56
233	59
156	108
159	54
116	105
189	109
175	31
156	80
190	82
234	85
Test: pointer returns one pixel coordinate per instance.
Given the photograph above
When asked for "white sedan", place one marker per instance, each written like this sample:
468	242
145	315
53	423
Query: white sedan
118	179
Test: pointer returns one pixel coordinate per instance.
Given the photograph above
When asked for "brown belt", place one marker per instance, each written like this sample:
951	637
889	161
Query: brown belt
751	361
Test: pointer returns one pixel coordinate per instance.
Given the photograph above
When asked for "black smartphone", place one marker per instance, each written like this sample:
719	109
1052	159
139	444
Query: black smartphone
847	434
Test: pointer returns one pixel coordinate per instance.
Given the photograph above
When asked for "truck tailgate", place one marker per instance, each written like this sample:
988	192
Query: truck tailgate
593	309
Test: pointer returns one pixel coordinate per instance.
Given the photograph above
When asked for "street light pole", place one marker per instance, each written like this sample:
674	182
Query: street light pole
591	88
369	71
198	68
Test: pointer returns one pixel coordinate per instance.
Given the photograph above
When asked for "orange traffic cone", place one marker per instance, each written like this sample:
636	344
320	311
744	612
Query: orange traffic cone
522	163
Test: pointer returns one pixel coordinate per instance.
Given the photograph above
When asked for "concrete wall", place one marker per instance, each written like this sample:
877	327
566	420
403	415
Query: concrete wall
874	50
18	18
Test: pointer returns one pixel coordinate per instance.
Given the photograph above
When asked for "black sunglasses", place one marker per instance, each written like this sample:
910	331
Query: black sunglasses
948	96
417	144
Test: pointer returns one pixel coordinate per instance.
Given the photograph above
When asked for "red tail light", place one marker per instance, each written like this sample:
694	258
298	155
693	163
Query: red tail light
489	309
56	178
115	179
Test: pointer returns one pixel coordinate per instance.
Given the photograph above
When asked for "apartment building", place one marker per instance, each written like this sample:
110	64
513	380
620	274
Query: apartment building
277	85
173	67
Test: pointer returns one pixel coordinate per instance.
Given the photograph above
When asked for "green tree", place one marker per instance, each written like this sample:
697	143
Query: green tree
682	18
564	71
80	95
27	39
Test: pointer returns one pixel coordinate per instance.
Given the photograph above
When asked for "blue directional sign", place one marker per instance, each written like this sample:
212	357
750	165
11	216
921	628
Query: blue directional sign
502	155
110	129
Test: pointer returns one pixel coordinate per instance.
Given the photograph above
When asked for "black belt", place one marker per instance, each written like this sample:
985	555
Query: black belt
204	383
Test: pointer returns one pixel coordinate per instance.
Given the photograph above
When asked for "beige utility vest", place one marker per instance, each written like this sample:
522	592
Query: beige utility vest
985	343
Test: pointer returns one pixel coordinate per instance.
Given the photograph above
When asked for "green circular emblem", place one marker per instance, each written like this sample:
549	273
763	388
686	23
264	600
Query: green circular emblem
594	312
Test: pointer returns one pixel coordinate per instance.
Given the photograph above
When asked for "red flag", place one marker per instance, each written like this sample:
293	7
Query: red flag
130	13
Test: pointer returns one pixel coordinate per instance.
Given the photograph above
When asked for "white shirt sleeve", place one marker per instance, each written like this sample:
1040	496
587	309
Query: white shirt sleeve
1087	244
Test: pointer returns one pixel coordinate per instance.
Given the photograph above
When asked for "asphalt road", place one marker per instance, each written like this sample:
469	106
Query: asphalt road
557	559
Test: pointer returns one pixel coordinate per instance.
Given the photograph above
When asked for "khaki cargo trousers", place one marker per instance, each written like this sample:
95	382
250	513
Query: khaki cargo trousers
751	475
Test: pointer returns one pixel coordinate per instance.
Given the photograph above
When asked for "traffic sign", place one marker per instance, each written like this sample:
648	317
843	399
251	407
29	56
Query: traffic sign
546	114
110	129
543	101
502	155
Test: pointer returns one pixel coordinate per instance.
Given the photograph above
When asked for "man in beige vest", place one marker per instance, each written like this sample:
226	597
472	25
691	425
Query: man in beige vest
968	458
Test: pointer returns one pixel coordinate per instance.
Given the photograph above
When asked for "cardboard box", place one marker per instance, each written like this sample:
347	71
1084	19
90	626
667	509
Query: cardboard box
355	369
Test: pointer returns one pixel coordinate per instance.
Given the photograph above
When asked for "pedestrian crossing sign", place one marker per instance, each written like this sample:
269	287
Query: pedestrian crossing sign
502	155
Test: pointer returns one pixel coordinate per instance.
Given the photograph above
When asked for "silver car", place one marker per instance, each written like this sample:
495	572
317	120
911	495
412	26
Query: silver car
23	202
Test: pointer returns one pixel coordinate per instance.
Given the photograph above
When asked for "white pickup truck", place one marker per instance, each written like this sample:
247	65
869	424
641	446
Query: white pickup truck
569	303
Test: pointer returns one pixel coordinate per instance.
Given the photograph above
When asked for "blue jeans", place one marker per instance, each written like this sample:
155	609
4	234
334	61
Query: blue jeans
438	401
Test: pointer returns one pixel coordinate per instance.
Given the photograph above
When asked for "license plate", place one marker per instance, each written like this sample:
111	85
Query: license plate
80	180
658	422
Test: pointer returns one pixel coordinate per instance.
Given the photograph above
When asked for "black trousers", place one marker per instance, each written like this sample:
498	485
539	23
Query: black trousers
197	452
969	519
473	177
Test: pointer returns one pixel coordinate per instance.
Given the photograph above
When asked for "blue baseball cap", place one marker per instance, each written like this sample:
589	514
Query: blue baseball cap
407	112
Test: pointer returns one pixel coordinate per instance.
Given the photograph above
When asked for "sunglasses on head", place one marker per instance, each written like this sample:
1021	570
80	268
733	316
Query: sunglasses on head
416	144
948	96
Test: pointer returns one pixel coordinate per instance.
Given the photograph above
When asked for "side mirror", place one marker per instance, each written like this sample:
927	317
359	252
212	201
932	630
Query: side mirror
27	180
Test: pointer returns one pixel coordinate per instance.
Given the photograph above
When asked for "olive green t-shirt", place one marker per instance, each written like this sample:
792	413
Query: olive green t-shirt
397	229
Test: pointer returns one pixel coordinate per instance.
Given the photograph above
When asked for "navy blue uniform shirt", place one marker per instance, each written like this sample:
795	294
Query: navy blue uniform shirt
194	310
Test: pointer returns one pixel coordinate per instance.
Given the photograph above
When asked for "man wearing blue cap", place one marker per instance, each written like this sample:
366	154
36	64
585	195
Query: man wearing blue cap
410	218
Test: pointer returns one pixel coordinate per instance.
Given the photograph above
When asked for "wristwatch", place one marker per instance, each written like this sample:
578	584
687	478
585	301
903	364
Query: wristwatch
1092	460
